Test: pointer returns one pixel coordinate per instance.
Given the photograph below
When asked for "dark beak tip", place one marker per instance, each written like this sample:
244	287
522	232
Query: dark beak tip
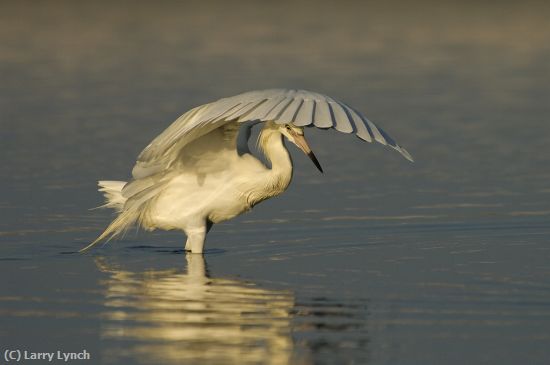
315	161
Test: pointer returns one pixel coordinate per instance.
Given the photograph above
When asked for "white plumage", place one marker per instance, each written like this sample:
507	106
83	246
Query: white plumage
199	171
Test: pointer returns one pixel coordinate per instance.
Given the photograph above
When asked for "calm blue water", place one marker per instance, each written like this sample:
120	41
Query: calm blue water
377	261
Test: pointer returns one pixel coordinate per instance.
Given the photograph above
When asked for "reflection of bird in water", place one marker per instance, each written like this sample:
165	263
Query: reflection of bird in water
200	171
167	317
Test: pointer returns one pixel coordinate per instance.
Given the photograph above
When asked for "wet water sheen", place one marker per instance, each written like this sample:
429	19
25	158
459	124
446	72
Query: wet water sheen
377	261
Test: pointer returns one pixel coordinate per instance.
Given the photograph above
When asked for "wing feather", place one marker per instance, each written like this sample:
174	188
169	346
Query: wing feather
278	110
304	116
343	124
300	107
291	110
361	129
378	137
216	110
245	108
234	110
323	117
261	111
245	115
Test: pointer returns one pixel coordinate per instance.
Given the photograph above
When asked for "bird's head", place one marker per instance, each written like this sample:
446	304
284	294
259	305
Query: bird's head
296	135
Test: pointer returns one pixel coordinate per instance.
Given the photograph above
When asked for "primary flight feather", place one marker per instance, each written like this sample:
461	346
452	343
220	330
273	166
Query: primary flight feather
199	171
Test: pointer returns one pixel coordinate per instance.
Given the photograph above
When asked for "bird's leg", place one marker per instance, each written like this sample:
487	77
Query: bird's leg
195	239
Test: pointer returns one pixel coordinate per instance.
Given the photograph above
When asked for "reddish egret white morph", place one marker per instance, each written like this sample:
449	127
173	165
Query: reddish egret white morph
200	171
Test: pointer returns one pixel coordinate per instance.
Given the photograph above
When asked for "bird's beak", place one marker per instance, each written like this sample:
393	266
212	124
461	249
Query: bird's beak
300	141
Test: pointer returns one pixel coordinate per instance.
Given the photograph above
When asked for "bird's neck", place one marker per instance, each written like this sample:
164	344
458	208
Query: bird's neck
271	144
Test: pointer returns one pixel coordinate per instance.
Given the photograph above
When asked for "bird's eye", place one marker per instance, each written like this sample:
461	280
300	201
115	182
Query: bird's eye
288	128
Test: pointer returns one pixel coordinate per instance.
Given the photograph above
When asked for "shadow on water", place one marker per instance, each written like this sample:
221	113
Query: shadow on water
187	316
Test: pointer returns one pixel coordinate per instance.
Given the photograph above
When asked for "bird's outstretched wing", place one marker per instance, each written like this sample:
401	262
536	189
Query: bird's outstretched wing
299	107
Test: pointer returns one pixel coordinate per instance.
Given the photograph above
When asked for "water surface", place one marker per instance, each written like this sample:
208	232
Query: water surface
377	261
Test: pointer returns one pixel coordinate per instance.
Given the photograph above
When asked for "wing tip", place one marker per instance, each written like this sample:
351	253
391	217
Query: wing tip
405	154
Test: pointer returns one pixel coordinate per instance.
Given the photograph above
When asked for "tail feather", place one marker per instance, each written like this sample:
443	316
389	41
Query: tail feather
131	211
119	225
112	190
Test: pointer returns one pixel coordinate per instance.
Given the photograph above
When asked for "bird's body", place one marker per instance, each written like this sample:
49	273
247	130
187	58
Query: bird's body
200	171
229	186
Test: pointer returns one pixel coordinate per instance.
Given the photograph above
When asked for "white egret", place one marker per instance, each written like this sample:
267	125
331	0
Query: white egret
200	171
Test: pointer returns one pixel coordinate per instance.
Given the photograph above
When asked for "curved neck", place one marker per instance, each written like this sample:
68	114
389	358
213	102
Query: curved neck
271	144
